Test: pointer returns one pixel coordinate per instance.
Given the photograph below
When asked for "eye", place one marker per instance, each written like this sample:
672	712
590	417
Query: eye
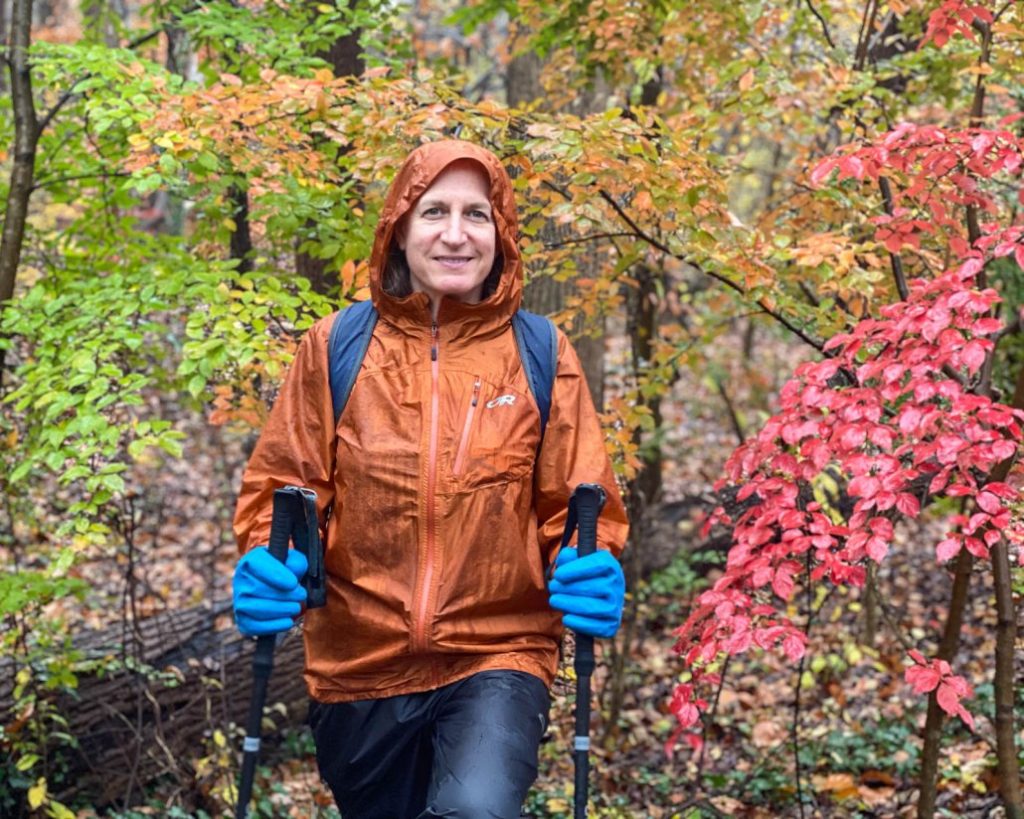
480	215
433	210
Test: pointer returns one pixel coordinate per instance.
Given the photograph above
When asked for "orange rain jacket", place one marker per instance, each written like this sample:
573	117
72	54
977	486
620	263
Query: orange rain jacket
443	516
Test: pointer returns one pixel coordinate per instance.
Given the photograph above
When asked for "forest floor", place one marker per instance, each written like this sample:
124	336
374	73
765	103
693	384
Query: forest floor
845	713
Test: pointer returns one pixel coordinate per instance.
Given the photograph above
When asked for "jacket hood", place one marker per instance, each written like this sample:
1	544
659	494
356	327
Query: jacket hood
417	173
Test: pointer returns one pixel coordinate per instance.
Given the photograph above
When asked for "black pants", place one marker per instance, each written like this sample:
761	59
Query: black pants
466	750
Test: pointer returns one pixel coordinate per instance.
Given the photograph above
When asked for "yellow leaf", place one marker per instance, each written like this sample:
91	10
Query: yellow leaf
59	811
218	739
37	793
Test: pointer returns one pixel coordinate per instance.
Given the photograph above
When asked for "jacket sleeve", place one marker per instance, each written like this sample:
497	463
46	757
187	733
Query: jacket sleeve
297	445
573	452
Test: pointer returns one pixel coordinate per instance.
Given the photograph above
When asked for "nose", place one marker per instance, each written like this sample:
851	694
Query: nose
454	232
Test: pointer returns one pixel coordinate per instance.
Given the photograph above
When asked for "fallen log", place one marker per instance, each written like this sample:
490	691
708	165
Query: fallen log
157	695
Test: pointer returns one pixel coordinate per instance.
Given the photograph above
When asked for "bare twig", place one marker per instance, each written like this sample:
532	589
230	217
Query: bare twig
734	419
894	258
824	28
707	720
867	25
45	183
593	237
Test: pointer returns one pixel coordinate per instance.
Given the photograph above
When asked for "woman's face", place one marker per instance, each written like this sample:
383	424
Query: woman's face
449	236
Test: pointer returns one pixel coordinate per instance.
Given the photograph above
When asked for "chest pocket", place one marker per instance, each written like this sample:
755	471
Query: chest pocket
497	437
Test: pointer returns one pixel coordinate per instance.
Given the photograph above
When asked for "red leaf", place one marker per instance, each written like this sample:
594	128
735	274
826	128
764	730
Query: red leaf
989	503
822	171
976	547
852	437
922	678
782	584
948	698
973	355
1003	490
881	527
877	549
910	418
947	549
908	505
865	486
793	647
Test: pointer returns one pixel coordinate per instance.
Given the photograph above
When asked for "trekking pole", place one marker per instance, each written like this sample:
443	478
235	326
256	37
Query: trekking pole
588	500
281	525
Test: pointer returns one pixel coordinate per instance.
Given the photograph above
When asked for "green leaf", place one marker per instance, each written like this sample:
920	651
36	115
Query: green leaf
55	460
171	447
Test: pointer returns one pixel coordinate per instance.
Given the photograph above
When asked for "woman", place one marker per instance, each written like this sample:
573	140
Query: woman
429	667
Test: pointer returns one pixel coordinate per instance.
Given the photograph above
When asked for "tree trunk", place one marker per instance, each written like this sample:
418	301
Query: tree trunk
134	727
241	238
947	650
545	295
1006	750
346	61
1006	636
26	137
179	61
3	42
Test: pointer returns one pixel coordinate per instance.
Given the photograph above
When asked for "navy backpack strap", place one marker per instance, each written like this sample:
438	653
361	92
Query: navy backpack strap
538	350
346	348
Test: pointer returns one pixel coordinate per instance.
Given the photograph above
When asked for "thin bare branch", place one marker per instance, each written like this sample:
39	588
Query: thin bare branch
593	237
45	183
894	258
824	24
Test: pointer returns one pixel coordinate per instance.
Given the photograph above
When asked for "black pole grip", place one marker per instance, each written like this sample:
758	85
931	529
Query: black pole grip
588	499
283	521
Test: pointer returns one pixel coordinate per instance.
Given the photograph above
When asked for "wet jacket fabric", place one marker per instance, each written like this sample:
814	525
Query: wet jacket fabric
441	514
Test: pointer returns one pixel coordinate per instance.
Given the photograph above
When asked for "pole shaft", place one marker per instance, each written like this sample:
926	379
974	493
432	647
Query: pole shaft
281	526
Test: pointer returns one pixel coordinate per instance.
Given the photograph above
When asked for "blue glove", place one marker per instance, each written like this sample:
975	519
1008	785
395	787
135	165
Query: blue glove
589	591
267	593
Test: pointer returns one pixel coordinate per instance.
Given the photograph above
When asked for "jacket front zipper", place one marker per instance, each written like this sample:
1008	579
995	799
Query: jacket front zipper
464	441
427	578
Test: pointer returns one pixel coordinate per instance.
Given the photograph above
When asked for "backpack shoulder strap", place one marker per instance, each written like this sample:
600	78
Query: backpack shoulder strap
346	348
538	350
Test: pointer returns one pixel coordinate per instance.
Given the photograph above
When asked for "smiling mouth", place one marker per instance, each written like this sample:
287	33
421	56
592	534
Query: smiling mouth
453	261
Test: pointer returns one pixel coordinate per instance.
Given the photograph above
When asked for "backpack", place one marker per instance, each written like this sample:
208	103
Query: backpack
353	328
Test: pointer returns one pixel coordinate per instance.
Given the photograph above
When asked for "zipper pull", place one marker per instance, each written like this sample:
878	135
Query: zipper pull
433	341
476	393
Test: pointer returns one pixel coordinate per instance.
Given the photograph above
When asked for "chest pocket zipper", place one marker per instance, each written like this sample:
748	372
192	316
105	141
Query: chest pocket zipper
460	455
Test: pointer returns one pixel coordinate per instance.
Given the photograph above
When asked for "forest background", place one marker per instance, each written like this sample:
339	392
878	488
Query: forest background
787	238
